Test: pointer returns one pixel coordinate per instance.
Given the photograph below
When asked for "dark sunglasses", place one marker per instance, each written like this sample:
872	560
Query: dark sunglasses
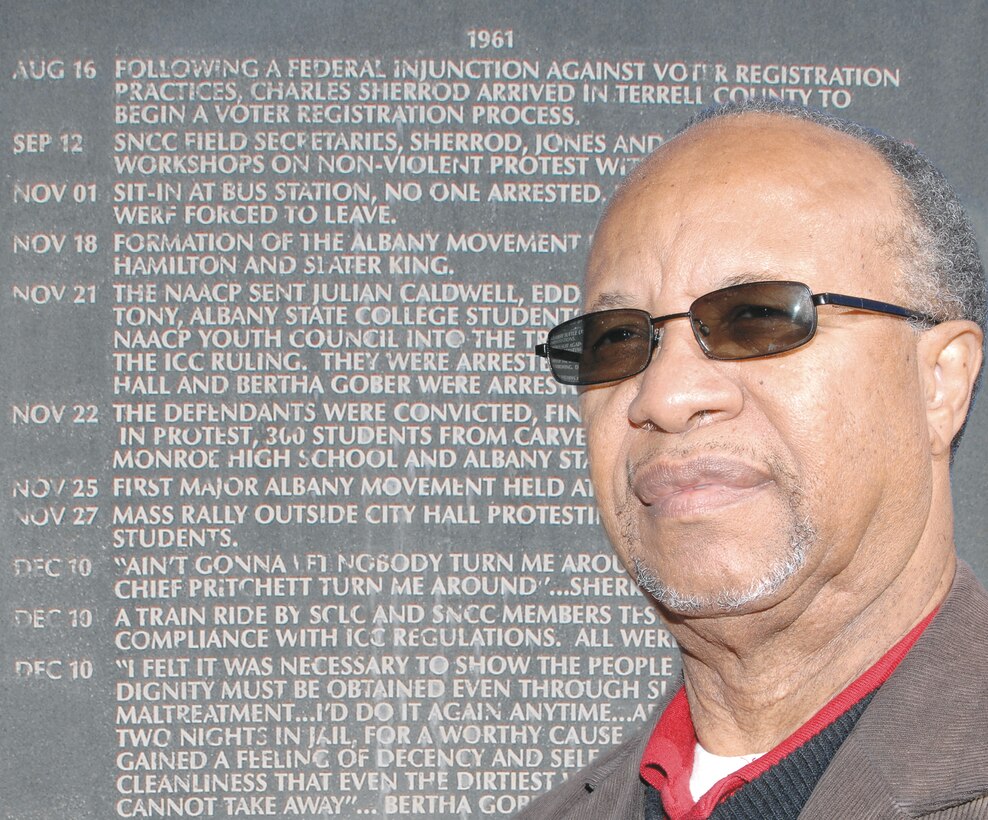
739	322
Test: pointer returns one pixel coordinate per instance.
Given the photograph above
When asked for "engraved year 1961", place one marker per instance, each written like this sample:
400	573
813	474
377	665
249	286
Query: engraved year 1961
491	38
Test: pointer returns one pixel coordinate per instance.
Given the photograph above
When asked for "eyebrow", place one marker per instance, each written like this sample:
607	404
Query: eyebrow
747	278
610	299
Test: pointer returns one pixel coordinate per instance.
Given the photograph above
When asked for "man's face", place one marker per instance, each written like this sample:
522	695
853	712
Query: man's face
733	485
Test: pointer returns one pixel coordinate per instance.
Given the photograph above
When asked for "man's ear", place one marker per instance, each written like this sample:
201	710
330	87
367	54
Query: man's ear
950	357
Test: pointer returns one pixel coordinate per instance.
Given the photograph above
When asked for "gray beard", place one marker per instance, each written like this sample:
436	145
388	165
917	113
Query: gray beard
802	537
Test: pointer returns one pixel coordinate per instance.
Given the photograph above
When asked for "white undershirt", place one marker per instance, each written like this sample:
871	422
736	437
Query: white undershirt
709	768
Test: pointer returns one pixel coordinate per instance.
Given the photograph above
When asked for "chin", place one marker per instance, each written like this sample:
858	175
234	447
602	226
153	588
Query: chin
747	586
727	600
737	599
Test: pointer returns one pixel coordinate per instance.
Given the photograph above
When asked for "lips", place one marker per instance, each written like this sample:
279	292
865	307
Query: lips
696	487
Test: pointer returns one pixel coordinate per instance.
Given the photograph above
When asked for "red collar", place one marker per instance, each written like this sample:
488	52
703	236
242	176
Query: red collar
668	759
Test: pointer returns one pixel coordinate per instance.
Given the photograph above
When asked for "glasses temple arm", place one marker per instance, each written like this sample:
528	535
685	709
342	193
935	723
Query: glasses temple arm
871	305
557	353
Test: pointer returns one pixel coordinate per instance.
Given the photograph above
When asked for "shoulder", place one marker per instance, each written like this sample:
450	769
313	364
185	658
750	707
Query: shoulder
940	690
952	652
921	743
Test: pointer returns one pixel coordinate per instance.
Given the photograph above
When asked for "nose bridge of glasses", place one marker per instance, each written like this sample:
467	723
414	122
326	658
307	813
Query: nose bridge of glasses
658	322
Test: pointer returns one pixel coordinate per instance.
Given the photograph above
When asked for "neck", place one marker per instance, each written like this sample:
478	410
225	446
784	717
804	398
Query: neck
753	679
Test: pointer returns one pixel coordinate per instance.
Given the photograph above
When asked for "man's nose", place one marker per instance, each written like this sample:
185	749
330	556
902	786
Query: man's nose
681	385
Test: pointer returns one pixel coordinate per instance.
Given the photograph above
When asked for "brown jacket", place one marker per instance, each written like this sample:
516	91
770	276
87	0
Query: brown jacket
920	750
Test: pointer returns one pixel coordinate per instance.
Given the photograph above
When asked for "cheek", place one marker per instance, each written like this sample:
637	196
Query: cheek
605	416
851	429
893	426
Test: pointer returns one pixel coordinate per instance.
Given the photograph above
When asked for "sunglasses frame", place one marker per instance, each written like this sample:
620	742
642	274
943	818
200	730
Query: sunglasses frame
816	299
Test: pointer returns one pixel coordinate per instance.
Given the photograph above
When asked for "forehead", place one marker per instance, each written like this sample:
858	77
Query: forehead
753	196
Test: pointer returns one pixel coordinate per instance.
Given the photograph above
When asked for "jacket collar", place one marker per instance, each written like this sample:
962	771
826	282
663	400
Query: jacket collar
921	745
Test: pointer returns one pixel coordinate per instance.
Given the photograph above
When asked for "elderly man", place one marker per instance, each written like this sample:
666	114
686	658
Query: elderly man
783	335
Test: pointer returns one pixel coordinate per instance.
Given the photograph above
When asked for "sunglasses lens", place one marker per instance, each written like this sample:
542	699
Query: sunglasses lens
755	319
740	322
600	347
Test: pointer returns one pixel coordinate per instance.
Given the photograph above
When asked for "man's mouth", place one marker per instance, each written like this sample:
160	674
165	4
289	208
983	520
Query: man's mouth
696	487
